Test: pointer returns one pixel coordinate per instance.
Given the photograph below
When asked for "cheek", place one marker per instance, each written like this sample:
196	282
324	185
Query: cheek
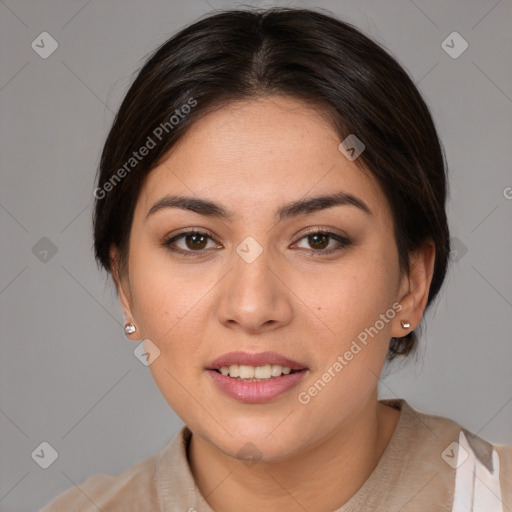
172	305
164	294
349	298
170	312
357	307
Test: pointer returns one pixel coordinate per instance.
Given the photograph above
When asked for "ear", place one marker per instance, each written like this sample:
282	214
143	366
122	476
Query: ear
123	290
414	288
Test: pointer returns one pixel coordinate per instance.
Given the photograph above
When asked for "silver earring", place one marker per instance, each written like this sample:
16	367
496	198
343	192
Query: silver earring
129	328
405	325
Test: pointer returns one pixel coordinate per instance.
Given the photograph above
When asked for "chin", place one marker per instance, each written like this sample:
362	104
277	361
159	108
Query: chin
261	443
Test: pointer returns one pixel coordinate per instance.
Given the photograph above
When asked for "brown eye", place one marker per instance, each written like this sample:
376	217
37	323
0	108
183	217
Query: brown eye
195	241
189	243
318	241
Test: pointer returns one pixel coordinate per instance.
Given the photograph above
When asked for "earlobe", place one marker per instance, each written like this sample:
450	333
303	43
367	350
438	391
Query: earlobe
414	289
122	292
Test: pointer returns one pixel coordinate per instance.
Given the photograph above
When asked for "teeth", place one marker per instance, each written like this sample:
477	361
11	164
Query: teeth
246	372
266	372
263	372
234	370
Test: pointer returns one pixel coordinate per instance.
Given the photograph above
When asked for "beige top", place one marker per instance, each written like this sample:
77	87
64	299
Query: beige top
431	464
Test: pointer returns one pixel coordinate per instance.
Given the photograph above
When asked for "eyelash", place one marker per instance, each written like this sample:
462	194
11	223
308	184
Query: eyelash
341	240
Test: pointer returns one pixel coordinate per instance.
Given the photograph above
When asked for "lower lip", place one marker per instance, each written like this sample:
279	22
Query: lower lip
256	392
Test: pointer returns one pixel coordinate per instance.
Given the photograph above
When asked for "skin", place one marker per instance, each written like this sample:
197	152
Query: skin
253	157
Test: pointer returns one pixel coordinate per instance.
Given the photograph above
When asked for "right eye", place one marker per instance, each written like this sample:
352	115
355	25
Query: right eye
194	242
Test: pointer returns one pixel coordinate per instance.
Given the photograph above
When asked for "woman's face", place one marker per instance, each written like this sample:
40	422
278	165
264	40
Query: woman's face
260	282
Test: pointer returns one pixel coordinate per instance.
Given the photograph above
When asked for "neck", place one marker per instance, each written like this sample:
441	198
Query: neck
322	478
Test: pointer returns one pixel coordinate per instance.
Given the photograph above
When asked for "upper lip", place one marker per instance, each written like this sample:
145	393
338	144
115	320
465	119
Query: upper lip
254	359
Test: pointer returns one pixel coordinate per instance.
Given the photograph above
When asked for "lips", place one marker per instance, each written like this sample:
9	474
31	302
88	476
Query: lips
254	359
257	392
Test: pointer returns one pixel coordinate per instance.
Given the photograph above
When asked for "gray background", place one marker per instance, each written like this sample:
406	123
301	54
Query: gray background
68	374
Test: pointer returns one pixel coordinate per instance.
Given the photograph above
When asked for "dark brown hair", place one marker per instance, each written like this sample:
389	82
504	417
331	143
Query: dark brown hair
301	53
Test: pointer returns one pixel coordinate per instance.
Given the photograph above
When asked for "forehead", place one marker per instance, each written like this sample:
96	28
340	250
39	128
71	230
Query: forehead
258	153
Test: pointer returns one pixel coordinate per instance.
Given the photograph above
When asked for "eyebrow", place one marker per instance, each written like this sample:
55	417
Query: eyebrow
293	209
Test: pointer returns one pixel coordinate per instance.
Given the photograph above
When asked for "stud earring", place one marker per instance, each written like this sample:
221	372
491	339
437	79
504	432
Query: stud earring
129	328
405	325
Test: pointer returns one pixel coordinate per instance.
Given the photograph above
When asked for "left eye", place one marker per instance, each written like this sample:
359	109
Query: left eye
319	241
196	242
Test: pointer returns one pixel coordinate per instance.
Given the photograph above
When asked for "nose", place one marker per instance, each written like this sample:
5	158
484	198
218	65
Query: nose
254	297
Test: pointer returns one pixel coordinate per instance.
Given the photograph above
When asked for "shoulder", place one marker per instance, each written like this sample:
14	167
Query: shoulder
109	493
505	455
475	469
163	479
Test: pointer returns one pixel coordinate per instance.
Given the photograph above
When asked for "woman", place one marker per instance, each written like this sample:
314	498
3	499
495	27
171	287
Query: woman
271	207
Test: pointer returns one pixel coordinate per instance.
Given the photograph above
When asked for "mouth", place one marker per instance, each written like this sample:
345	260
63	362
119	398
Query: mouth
255	378
256	373
254	360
